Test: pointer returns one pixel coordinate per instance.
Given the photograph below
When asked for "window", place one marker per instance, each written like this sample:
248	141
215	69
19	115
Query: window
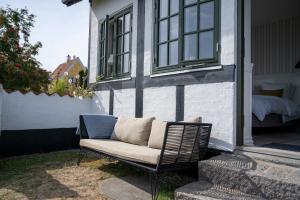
186	34
115	45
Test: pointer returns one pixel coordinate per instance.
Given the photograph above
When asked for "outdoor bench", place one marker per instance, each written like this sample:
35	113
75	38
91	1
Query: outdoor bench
182	144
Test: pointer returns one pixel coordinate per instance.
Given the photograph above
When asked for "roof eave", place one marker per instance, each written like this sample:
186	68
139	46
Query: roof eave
70	2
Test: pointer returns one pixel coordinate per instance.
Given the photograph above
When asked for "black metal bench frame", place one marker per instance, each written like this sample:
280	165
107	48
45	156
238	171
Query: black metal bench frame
184	145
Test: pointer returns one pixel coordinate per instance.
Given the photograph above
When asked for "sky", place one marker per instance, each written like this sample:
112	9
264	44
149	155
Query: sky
62	30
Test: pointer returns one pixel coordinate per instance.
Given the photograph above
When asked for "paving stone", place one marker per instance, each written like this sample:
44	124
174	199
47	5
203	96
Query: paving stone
250	176
126	188
204	190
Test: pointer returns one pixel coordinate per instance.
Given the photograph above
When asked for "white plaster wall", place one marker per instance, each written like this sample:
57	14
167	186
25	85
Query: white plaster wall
124	103
101	8
160	102
30	111
100	103
93	57
228	31
215	103
248	69
148	42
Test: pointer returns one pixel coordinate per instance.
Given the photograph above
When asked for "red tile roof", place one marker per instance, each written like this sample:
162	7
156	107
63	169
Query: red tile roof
61	69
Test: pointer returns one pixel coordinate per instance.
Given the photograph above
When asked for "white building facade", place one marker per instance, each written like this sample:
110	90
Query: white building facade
169	59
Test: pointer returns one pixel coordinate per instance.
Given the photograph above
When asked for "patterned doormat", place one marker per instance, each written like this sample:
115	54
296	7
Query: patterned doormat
288	147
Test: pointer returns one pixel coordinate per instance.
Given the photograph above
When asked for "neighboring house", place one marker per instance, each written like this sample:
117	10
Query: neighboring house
183	58
72	67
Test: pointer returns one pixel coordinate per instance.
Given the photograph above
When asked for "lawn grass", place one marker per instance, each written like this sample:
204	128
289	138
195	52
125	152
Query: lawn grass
25	174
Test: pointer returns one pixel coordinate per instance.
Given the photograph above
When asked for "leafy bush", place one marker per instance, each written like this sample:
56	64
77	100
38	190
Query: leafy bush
65	86
60	86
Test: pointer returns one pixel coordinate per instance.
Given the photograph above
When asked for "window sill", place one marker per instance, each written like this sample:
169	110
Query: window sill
186	71
115	80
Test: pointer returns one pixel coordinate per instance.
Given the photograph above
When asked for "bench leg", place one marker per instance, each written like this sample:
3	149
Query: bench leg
81	155
155	185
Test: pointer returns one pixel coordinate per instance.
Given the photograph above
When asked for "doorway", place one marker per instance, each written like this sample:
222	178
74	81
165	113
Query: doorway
272	74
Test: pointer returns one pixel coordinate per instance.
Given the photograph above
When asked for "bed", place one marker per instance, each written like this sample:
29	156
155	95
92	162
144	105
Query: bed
276	110
270	111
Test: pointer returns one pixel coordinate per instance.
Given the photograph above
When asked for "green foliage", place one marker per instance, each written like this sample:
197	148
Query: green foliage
64	86
83	75
19	70
100	78
60	86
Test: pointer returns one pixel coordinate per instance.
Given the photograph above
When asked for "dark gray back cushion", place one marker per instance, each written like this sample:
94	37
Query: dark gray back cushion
99	126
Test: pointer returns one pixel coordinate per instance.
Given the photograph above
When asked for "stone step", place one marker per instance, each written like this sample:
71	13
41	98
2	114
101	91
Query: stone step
204	190
270	155
253	177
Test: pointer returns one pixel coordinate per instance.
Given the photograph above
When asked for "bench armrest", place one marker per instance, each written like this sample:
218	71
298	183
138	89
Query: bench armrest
184	143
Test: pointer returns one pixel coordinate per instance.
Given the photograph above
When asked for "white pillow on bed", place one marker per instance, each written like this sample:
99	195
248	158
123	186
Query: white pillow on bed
288	88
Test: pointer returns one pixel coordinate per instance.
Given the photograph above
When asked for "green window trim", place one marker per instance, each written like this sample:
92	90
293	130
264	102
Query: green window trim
183	64
113	31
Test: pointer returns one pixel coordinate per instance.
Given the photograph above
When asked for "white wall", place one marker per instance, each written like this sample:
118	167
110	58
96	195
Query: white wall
101	8
160	103
30	111
214	103
228	32
100	103
248	68
124	103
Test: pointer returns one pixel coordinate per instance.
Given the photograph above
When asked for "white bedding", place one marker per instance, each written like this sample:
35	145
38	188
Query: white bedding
265	105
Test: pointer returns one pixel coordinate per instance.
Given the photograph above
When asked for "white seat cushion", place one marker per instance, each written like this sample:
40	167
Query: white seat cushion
123	150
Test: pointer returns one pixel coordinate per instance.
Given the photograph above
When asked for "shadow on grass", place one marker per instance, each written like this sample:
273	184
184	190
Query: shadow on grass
25	175
28	175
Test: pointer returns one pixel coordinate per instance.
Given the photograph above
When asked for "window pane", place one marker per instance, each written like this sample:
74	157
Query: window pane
126	63
173	53
103	30
120	25
174	7
110	38
207	15
127	23
190	19
119	50
187	2
119	64
162	55
163	30
206	45
109	70
126	42
190	47
163	6
174	27
101	49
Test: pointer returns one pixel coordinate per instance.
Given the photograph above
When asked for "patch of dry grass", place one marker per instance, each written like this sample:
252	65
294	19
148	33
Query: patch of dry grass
56	176
53	176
